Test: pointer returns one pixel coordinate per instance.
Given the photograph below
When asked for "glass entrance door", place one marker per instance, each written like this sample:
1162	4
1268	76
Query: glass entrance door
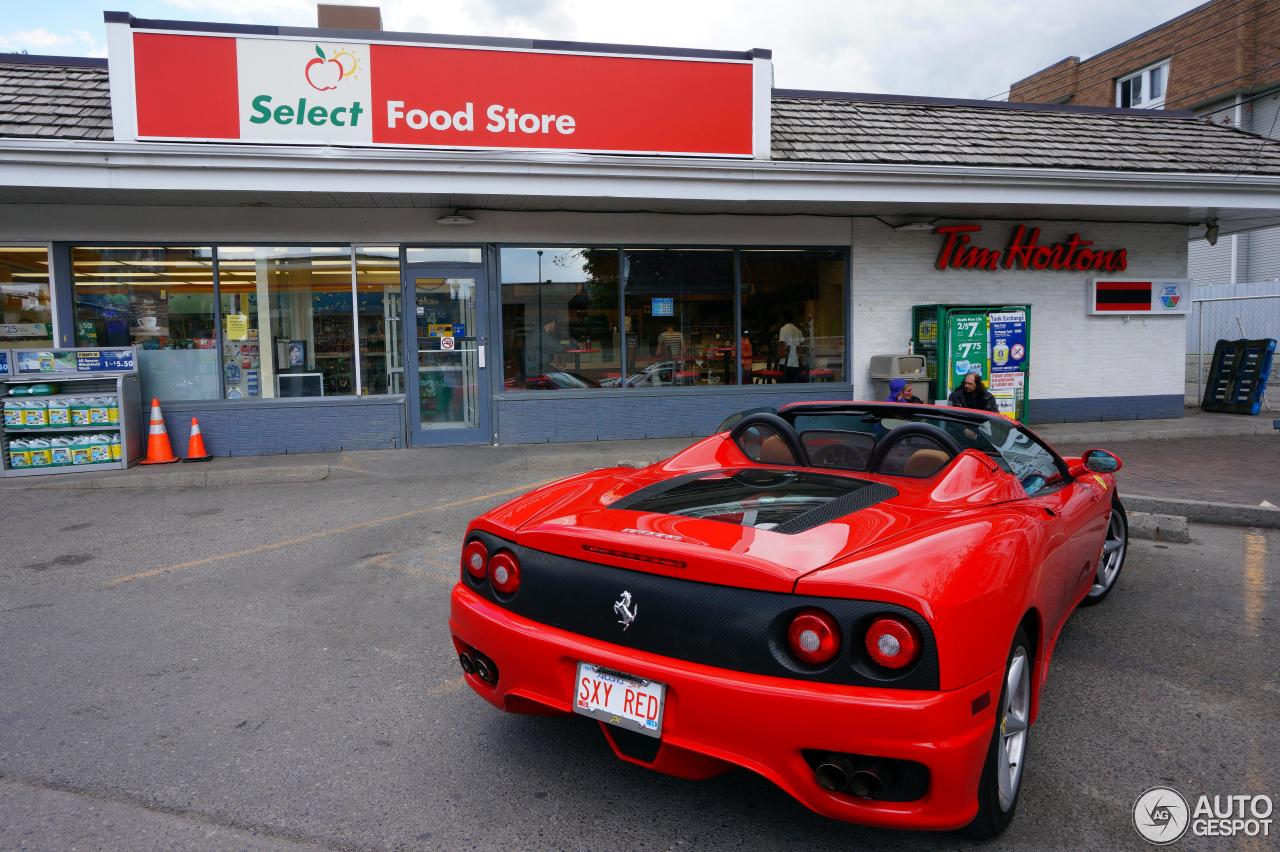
445	355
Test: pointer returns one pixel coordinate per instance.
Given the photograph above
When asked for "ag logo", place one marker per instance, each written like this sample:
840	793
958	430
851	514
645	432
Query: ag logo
1161	815
1170	296
324	73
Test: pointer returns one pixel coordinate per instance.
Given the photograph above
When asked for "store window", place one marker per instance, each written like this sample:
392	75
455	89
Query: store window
26	314
378	319
287	322
679	322
793	317
560	318
159	299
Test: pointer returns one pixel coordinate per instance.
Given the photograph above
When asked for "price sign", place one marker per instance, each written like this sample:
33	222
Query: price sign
967	348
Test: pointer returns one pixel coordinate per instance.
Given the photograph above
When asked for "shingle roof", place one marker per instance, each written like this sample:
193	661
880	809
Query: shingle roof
48	97
46	101
925	131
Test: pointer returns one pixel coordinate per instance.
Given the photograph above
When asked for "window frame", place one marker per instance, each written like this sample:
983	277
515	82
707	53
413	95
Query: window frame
1143	75
55	325
846	255
67	246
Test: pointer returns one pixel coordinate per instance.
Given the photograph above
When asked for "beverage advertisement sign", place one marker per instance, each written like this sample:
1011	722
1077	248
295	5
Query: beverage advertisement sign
966	347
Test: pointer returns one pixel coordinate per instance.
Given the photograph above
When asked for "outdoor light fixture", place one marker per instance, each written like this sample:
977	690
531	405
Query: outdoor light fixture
914	226
455	218
1211	231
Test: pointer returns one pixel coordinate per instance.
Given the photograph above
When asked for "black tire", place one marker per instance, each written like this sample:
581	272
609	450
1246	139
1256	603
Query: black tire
1096	597
992	819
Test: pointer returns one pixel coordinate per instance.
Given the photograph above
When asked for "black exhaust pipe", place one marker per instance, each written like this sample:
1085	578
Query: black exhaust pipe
834	772
869	781
483	670
468	664
863	777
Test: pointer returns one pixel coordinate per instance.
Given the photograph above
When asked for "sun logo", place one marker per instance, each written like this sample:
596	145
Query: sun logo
326	71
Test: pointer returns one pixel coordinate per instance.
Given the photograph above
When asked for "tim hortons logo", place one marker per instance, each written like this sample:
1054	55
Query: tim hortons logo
1025	252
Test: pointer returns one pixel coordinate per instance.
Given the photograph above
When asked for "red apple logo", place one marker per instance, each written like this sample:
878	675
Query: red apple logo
323	73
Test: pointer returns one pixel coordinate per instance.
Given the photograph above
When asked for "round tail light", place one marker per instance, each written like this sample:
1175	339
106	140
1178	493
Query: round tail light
892	643
814	637
474	558
504	572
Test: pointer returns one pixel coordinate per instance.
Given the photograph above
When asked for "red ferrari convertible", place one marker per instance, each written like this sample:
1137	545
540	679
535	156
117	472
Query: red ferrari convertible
858	601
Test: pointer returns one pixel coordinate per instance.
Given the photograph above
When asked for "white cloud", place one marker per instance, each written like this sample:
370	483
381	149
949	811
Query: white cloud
38	39
926	47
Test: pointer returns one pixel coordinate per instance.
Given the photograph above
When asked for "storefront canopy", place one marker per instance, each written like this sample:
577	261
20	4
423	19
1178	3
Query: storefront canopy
904	159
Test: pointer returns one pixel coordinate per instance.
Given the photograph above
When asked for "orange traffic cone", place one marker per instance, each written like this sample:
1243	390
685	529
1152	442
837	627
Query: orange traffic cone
158	449
195	447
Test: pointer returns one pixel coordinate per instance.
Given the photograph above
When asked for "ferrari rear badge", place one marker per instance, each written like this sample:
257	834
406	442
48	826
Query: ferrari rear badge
626	612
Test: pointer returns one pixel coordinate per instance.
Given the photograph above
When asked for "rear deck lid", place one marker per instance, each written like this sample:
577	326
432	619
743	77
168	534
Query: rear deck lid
752	528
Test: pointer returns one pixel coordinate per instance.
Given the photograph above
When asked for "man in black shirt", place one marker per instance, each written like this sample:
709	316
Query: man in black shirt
973	394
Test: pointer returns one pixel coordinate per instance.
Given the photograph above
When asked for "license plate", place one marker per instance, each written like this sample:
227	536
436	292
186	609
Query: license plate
619	699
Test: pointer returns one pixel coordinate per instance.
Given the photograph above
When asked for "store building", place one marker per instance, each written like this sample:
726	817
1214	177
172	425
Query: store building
327	239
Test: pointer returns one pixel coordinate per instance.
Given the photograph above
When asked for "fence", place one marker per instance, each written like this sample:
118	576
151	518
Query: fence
1230	312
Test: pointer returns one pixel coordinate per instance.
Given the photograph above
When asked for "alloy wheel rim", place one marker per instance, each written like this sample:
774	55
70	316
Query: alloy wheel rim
1112	557
1013	728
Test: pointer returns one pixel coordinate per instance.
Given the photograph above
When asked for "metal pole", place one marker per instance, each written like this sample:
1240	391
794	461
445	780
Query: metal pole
540	329
1200	355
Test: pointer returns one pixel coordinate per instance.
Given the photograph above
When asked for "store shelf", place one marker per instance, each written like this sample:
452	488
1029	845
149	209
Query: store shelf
59	378
97	427
65	468
34	396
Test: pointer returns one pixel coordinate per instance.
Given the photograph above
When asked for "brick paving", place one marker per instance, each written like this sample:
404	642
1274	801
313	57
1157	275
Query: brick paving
1244	470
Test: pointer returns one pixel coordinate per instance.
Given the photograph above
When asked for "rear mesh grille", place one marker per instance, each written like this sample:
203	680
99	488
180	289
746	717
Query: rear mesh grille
864	498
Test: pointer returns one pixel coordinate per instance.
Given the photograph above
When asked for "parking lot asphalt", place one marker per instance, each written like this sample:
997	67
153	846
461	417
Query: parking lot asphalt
270	667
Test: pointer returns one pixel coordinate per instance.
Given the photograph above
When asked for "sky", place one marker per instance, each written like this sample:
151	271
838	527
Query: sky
946	48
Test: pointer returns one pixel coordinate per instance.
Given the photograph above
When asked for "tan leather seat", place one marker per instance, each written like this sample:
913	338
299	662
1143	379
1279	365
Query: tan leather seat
925	462
774	450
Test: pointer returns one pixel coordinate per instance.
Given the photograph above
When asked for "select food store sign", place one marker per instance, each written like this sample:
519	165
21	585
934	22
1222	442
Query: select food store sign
291	90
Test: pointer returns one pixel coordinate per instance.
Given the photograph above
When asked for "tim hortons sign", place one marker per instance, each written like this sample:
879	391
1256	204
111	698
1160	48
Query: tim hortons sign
278	90
1025	251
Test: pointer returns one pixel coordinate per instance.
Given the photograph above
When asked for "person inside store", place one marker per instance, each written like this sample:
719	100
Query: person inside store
900	391
671	344
542	353
973	394
790	338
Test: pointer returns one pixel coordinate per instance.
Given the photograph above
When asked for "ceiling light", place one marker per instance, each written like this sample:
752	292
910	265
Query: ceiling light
1211	231
455	218
914	226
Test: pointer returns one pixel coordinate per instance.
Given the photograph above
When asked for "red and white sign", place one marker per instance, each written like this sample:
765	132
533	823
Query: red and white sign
1123	296
286	90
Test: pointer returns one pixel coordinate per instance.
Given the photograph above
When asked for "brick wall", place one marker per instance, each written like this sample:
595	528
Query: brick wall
313	425
1090	367
1217	49
679	413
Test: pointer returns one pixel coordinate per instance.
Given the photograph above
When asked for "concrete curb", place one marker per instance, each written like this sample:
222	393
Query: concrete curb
1204	512
1145	525
1071	433
197	477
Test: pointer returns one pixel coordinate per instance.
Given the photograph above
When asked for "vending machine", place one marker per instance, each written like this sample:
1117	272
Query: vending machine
992	340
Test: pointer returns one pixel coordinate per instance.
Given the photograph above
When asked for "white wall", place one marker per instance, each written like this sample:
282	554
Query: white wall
1073	354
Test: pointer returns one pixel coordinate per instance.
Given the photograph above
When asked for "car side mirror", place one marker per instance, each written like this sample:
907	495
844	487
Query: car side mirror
1101	461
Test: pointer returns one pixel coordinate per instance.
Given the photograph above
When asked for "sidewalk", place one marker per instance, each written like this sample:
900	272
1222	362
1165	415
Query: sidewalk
1229	461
